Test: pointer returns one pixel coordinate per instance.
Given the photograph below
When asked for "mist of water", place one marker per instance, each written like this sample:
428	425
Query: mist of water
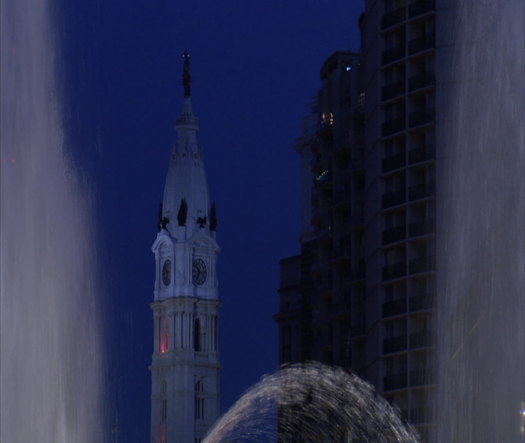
481	244
50	354
311	403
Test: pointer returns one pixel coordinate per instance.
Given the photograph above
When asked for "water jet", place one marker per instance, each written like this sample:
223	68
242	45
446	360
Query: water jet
50	345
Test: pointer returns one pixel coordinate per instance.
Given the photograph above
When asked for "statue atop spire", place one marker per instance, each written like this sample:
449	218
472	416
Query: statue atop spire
186	77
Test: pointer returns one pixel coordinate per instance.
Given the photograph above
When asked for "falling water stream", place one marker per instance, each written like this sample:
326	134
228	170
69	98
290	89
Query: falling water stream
480	68
50	347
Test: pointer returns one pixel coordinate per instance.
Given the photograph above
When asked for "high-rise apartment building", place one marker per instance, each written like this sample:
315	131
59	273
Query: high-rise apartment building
361	293
400	204
327	276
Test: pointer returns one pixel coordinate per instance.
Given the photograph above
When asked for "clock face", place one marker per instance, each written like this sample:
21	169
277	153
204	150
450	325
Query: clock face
198	272
166	272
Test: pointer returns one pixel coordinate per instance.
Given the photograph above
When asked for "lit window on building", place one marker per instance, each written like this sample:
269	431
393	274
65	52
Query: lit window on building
327	118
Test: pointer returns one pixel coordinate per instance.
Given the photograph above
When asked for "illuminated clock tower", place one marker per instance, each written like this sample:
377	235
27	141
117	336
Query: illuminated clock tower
185	365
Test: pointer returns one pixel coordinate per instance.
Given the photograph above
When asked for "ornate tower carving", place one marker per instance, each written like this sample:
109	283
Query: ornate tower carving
185	365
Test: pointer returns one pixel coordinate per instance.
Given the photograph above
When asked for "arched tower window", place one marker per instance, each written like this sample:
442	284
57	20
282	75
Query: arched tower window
197	335
199	400
215	330
164	402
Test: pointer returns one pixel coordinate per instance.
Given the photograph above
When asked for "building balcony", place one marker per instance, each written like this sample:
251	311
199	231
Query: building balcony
393	17
324	341
424	227
357	219
420	377
287	307
393	90
419	416
359	201
358	111
420	7
392	54
324	182
394	307
342	254
393	162
421	44
327	197
421	154
316	163
420	118
343	148
357	331
317	213
423	80
422	339
394	271
422	190
393	235
422	264
353	277
325	238
397	381
357	274
394	344
325	287
343	306
341	197
358	160
326	131
393	126
323	233
421	302
393	198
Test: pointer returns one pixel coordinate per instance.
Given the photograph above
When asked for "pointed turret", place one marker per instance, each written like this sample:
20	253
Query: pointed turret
186	182
186	76
185	394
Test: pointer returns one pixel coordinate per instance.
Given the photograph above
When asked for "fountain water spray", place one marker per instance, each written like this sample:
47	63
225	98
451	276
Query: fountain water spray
481	260
50	355
311	403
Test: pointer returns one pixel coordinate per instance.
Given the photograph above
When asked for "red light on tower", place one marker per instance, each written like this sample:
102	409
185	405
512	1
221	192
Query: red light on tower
164	335
164	342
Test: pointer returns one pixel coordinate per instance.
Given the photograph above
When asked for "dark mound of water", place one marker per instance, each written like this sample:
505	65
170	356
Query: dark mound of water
311	403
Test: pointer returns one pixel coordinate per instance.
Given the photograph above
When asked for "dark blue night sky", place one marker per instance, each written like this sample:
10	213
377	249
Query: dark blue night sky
255	67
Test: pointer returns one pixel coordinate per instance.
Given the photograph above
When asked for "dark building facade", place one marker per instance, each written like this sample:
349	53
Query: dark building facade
361	293
327	277
400	212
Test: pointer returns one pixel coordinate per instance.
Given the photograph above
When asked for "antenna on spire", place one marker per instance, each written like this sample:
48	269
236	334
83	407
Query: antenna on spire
186	77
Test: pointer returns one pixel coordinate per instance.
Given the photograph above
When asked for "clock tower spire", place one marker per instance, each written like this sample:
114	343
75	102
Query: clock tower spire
185	364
